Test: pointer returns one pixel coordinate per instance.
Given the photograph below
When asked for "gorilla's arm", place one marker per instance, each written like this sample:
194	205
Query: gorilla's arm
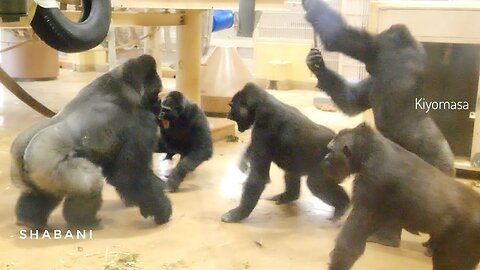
162	147
256	180
351	242
352	99
131	175
202	150
335	34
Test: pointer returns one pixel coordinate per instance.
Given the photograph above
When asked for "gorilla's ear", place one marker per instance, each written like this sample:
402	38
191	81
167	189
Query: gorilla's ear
136	71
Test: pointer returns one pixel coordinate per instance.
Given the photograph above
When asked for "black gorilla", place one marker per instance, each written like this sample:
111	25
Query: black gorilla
283	135
392	183
184	130
395	62
107	131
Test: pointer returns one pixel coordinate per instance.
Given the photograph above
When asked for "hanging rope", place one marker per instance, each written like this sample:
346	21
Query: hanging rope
19	92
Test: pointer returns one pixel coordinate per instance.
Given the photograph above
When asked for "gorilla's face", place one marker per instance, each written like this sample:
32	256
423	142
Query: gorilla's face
141	74
173	107
338	162
241	111
152	87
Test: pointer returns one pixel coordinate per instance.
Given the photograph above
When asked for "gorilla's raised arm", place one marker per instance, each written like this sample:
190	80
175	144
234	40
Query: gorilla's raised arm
335	34
351	98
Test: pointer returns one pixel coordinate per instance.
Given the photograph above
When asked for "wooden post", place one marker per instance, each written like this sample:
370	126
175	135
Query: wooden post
153	45
189	38
112	48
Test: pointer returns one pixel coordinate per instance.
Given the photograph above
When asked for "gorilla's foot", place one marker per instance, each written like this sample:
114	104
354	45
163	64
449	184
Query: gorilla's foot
284	198
384	240
32	226
234	215
34	208
81	210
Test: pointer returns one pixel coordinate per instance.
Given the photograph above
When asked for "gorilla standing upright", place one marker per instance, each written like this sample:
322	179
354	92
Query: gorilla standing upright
107	131
184	130
395	62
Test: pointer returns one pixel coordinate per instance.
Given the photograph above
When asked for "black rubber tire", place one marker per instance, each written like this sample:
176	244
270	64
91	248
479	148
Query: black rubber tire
64	35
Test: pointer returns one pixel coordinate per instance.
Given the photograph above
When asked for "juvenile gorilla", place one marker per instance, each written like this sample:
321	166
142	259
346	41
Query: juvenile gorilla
392	183
107	131
395	62
283	135
184	130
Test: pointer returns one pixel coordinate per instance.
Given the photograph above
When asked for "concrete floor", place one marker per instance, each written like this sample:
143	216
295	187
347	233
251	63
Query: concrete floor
295	236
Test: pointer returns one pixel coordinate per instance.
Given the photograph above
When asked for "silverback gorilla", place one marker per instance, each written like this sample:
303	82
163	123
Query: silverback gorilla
392	183
395	62
107	131
184	130
283	135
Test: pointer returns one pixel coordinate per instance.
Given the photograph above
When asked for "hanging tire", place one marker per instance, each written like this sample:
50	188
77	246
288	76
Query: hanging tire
64	35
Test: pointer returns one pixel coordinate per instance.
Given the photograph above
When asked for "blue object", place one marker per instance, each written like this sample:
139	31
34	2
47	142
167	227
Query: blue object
222	19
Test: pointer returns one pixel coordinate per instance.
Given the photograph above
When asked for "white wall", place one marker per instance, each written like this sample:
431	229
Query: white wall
290	26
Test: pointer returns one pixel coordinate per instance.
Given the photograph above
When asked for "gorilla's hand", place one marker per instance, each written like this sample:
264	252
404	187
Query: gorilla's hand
234	215
173	183
315	62
156	204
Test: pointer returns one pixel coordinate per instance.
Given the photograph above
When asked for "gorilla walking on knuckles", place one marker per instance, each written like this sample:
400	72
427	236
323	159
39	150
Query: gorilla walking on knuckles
283	135
107	131
184	130
393	184
395	62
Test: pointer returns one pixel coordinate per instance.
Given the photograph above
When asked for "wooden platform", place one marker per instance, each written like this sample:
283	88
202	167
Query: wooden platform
221	128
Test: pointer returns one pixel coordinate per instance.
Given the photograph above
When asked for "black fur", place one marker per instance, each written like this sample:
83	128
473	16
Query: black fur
108	130
395	62
393	184
34	208
187	134
283	135
82	210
